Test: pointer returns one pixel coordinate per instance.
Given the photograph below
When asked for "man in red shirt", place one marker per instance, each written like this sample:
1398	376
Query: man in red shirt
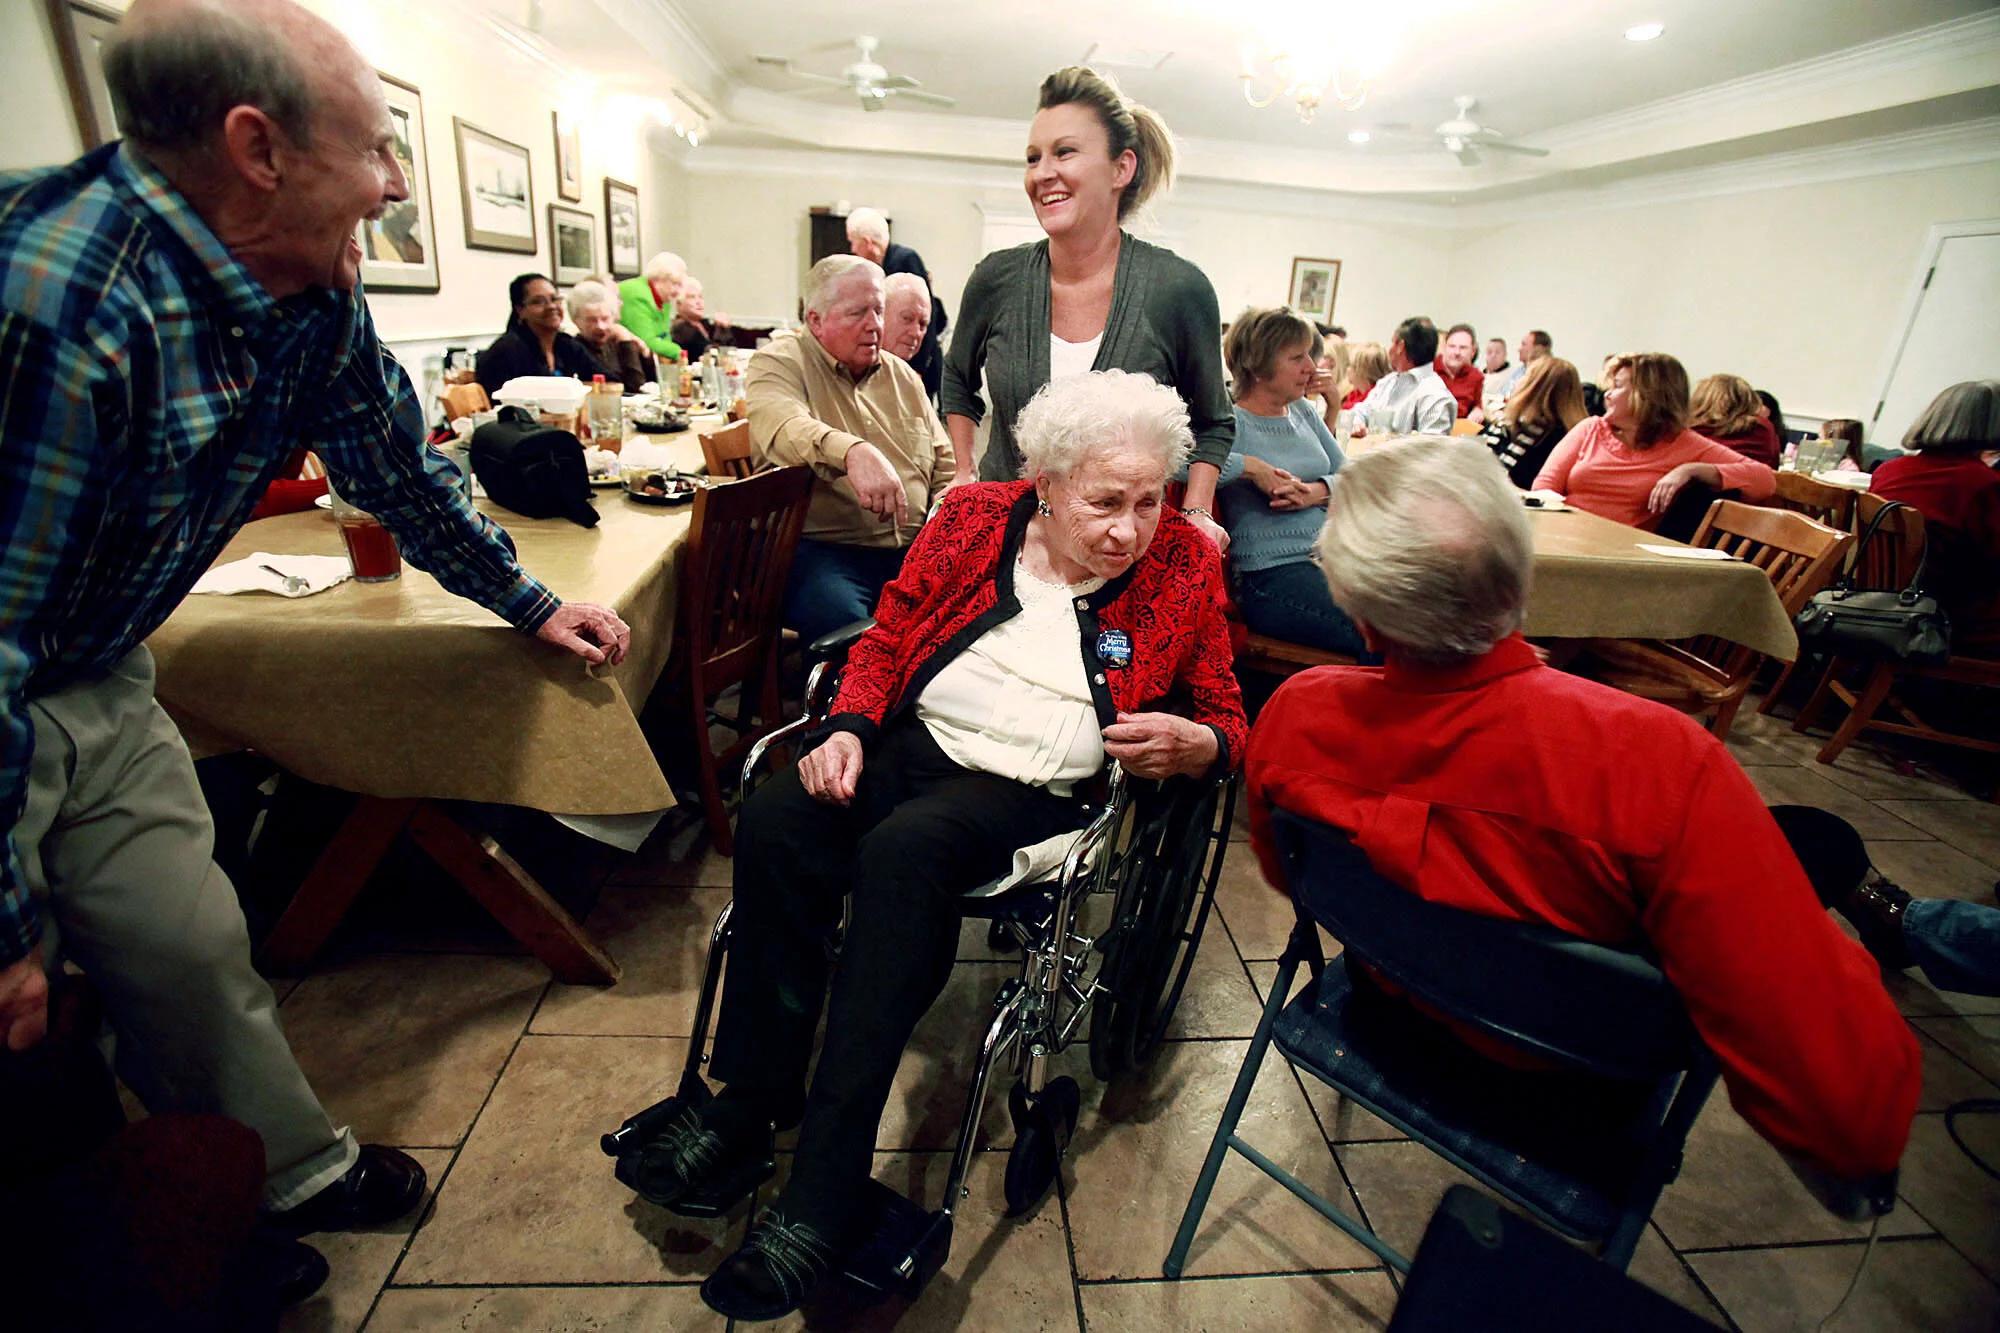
1454	366
1475	776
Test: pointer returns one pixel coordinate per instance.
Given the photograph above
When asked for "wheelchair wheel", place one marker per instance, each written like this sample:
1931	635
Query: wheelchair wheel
1043	1127
1165	876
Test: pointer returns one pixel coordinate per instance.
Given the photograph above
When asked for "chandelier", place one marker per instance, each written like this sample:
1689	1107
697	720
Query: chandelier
1305	78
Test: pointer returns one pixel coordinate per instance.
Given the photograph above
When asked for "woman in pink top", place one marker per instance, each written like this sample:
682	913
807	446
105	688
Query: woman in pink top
1629	464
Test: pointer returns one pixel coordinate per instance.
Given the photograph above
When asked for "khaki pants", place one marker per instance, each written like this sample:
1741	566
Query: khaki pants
117	847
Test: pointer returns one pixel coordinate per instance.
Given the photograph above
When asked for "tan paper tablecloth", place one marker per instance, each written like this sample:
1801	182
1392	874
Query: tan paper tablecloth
401	689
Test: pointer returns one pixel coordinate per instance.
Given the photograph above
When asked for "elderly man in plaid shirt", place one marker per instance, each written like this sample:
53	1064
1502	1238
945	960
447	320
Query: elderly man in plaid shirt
177	313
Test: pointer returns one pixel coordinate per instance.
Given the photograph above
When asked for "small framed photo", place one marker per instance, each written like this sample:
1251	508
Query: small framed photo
569	159
573	244
81	30
399	249
495	191
1314	282
621	227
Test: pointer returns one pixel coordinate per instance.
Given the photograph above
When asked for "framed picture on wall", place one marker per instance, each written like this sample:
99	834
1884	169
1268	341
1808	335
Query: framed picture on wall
621	227
569	159
399	249
572	245
81	30
1314	282
495	190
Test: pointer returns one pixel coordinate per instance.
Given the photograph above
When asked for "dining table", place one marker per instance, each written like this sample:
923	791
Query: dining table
407	695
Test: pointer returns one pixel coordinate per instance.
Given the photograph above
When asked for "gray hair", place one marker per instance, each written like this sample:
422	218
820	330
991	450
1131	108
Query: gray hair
909	284
175	77
1964	418
664	266
827	276
869	222
1104	411
587	294
1427	544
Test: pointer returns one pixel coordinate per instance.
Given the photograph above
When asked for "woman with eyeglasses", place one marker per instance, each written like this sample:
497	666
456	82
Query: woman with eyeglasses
534	343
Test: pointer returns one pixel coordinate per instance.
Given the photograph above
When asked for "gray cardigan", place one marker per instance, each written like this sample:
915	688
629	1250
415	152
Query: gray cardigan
1163	321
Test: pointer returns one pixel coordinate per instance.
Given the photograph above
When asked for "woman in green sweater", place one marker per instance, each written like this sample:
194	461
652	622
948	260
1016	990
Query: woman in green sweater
646	304
1091	296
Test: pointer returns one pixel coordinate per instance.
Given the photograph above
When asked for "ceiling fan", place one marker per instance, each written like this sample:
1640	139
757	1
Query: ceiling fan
1462	136
866	81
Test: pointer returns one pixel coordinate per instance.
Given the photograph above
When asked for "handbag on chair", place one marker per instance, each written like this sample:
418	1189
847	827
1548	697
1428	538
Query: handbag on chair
1878	625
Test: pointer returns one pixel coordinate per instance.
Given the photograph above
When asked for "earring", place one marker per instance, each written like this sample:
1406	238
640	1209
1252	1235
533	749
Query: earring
1042	508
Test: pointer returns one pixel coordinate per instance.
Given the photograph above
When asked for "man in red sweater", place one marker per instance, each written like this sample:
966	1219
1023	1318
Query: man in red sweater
1475	776
1454	366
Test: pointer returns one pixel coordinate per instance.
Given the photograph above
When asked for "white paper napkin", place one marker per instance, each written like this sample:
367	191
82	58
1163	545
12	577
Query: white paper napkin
1687	552
254	573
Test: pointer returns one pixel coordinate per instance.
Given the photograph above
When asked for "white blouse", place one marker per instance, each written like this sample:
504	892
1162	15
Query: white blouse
1066	359
1016	702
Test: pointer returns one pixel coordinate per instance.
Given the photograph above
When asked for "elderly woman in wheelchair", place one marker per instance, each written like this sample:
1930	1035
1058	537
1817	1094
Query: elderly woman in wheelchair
1038	629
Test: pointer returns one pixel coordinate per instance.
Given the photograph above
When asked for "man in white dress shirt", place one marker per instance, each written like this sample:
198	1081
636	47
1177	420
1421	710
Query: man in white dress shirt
1411	400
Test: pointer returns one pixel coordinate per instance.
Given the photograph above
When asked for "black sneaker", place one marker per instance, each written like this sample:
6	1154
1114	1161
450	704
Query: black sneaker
1876	911
780	1264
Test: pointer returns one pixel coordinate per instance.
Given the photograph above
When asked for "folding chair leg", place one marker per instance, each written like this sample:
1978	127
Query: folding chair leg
1880	677
1778	688
1239	1098
1816	704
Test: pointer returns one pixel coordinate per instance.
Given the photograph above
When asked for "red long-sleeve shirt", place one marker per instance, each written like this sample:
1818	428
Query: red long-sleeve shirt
1514	790
1466	386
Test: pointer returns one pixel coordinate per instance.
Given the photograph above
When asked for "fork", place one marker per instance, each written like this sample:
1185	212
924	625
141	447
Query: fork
293	583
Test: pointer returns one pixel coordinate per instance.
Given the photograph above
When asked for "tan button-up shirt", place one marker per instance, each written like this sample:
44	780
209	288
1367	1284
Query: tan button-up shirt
806	407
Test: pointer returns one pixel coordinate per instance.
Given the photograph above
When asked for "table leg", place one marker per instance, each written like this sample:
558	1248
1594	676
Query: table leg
513	897
330	887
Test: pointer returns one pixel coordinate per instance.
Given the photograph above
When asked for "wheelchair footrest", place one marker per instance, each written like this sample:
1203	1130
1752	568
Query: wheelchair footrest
905	1248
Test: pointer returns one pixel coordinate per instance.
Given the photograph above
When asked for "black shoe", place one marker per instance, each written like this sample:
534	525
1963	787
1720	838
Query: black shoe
691	1157
1876	911
382	1186
779	1265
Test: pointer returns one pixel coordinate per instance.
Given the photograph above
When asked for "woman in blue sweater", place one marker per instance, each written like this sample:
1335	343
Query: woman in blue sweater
1275	483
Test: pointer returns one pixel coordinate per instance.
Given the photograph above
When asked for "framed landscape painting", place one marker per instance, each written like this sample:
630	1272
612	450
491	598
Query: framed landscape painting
399	249
621	227
573	245
1314	282
569	159
80	31
495	190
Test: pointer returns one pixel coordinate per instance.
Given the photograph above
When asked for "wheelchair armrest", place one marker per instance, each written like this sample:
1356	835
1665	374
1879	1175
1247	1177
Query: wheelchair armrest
835	643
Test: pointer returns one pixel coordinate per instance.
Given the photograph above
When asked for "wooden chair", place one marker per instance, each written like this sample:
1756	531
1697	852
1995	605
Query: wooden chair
729	452
1817	500
462	400
1709	674
732	588
1277	657
1890	561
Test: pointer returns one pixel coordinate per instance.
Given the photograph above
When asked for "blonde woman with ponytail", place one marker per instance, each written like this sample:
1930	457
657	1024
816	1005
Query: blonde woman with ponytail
1091	296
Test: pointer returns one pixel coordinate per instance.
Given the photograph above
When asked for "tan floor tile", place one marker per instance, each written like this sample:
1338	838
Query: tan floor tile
1734	1189
1947	1078
1950	1190
654	863
1910	1285
1868	772
1140	1146
531	1200
1330	1301
1218	1000
1797	786
1934	870
1975	1040
1755	752
1239	824
1971	826
545	1310
660	936
405	1047
1915	997
1004	1274
927	1099
358	1263
1259	917
1341	1119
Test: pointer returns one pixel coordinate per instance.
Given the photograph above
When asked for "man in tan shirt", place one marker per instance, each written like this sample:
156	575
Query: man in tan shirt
827	397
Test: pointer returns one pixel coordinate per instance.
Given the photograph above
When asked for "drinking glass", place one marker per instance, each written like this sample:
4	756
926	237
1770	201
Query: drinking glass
371	548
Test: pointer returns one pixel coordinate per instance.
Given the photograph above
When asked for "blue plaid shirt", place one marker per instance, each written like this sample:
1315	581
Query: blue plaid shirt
152	391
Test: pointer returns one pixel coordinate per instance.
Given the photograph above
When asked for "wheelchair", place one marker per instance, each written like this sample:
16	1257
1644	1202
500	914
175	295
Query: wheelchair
1145	864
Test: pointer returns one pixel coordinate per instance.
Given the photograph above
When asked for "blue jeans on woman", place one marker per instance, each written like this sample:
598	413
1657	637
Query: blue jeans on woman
1290	602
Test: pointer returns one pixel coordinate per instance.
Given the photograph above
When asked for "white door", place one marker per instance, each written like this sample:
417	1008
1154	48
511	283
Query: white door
1953	332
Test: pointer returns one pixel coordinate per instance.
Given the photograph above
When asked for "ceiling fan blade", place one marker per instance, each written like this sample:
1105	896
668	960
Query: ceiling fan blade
821	80
935	99
1501	146
900	81
1402	135
1467	155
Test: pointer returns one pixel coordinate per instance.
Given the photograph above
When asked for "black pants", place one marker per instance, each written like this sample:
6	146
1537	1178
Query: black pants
920	832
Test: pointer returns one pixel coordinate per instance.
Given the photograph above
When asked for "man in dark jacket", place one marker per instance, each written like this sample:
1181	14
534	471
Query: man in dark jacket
868	236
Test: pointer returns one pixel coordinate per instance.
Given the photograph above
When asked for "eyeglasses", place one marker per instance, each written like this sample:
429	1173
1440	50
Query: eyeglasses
537	302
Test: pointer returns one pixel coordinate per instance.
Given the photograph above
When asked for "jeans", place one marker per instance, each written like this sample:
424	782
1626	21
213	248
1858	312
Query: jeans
1956	943
833	584
1290	602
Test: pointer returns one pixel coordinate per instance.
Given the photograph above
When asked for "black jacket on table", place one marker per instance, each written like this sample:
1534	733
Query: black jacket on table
516	353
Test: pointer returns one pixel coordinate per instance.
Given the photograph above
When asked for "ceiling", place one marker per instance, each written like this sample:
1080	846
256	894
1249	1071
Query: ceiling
1726	80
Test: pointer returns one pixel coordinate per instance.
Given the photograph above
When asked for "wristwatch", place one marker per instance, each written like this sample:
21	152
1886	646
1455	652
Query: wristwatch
1191	513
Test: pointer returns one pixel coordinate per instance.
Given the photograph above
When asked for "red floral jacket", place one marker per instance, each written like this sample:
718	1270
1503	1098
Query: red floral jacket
958	582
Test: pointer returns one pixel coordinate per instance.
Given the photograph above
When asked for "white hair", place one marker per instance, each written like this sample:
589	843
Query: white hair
869	222
907	284
1105	411
1427	544
666	266
830	274
587	294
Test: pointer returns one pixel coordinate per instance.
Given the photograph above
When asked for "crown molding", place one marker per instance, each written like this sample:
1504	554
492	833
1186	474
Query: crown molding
682	39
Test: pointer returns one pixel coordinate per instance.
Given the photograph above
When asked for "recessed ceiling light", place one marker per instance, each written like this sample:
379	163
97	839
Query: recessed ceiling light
1359	136
1644	32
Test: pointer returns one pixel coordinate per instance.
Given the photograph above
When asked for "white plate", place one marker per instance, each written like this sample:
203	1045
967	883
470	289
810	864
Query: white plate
323	502
607	481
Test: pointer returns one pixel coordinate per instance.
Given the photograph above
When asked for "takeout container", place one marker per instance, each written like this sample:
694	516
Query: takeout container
557	400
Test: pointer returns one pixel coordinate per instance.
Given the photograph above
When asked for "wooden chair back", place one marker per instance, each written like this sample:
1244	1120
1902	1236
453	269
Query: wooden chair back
1798	554
1890	558
1818	500
729	452
462	400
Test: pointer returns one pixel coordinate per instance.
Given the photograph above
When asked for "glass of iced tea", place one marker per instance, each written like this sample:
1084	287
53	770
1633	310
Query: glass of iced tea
371	549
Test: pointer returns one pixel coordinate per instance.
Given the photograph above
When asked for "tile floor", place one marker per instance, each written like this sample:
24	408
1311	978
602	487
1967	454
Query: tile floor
501	1081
